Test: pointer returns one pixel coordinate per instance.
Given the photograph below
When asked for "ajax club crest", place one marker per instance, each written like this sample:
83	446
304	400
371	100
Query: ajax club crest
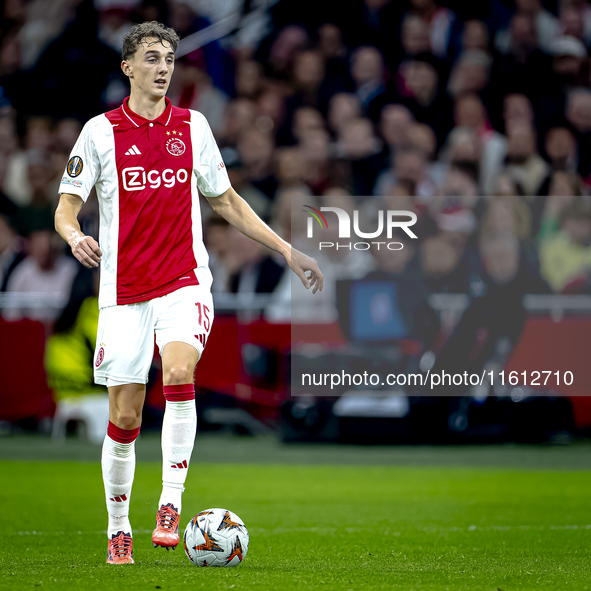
175	146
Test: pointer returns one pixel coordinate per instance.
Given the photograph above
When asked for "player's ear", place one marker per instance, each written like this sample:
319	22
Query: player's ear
127	69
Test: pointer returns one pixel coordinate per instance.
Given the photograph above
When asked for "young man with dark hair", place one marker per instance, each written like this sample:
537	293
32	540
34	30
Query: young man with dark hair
147	160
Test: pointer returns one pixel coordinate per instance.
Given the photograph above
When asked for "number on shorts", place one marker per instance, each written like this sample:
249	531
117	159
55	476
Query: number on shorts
204	321
203	312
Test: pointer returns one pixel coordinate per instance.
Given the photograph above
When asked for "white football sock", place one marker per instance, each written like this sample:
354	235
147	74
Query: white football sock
118	464
178	436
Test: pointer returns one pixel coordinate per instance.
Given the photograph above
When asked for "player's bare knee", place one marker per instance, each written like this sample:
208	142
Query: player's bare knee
179	374
128	418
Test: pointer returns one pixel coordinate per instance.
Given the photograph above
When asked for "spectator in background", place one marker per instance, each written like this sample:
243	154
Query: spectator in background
250	266
45	271
343	107
11	74
439	21
240	115
290	168
335	53
186	18
11	251
114	21
270	109
216	237
561	149
566	257
568	73
578	110
463	152
523	163
544	24
359	145
475	36
470	73
440	263
496	314
44	22
507	187
309	82
322	169
17	179
575	20
419	88
248	79
453	213
314	83
259	202
369	75
38	213
306	120
511	217
192	88
414	35
289	40
394	126
516	68
578	114
64	135
8	136
469	112
517	108
422	137
572	23
408	170
506	216
563	193
256	152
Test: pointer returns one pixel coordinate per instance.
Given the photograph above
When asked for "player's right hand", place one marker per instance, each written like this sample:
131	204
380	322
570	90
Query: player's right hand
86	250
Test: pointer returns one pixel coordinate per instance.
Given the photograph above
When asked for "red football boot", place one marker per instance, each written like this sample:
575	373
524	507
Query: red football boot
120	550
166	533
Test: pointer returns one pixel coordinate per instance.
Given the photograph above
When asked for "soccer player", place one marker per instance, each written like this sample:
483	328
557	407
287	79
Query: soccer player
147	160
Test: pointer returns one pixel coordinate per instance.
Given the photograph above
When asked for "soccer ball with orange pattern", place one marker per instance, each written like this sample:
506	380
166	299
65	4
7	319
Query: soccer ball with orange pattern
216	537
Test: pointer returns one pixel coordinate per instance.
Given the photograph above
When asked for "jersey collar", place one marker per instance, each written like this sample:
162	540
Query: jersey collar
136	120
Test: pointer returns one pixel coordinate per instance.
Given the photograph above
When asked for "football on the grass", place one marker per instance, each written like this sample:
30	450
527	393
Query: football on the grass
216	537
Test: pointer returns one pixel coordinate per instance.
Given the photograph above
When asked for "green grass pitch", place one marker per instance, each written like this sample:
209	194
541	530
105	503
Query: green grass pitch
320	517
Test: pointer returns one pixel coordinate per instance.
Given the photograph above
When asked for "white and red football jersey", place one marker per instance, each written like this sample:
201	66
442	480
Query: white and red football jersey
146	175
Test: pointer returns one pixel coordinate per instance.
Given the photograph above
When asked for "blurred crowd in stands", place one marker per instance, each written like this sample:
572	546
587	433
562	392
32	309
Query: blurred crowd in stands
474	115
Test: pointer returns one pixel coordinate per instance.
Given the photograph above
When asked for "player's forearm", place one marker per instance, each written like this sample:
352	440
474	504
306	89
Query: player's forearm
240	215
66	220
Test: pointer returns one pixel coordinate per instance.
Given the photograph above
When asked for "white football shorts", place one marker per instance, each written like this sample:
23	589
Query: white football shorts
125	337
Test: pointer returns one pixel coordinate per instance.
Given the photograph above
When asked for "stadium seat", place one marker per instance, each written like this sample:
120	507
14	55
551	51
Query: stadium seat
92	410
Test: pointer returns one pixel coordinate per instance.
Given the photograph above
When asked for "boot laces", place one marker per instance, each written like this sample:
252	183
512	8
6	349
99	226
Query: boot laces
121	544
167	517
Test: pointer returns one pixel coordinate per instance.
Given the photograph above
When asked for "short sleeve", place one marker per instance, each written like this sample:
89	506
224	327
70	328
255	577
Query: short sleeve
82	169
212	176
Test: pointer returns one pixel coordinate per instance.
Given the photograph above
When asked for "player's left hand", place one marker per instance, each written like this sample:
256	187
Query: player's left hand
306	268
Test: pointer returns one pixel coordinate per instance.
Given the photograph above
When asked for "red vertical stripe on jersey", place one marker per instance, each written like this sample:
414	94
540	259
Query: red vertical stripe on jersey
155	246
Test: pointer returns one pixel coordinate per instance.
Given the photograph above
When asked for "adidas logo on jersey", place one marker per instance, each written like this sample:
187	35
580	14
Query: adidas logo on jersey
133	151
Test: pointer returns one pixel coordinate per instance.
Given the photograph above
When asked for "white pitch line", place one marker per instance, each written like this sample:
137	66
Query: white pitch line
287	530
